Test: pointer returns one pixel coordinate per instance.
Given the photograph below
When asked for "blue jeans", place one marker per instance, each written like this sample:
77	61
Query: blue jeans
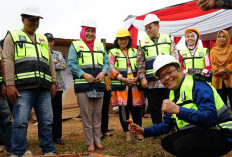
5	122
41	101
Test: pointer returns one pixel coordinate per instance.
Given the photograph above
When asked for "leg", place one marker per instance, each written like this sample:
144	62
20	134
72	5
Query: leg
57	117
105	110
198	143
43	110
96	119
86	108
155	99
5	123
21	114
223	95
229	93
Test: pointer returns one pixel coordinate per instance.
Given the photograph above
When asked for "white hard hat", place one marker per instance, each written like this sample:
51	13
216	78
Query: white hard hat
32	10
161	61
89	22
149	19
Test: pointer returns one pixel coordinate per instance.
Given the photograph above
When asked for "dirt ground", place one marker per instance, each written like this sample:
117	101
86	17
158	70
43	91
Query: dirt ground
72	128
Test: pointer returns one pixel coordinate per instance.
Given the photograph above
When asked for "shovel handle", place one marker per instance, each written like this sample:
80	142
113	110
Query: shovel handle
131	125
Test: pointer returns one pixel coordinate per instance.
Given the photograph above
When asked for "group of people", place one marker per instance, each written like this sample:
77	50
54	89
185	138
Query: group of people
173	82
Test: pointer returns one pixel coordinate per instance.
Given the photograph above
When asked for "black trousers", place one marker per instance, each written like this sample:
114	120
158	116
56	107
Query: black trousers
57	115
224	92
201	143
136	112
155	99
1	138
105	111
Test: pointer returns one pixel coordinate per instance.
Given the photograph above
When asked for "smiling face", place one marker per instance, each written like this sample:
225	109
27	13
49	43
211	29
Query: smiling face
152	30
30	25
123	42
190	39
221	39
90	34
170	77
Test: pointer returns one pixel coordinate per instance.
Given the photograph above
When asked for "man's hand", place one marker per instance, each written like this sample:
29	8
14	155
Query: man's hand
53	91
206	4
12	94
137	129
170	107
144	83
89	78
100	77
3	93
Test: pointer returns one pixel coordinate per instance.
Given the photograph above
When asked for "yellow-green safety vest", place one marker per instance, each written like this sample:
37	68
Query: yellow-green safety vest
196	61
91	63
31	61
151	50
186	100
121	66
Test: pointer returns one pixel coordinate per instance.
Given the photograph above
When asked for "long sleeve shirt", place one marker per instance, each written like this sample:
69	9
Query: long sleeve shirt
141	65
205	116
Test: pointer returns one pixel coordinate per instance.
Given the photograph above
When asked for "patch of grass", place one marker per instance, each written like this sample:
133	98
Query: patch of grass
115	146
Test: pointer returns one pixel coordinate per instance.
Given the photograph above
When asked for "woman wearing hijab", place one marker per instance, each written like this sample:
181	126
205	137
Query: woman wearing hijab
88	61
221	60
194	59
123	72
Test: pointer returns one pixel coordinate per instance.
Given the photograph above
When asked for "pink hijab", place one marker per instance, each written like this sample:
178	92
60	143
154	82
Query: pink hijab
82	36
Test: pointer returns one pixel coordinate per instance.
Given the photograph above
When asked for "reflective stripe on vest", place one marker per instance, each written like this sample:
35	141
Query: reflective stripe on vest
186	100
31	58
151	51
196	61
91	63
121	66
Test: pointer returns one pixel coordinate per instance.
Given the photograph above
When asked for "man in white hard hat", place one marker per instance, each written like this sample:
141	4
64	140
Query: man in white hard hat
30	81
151	46
201	119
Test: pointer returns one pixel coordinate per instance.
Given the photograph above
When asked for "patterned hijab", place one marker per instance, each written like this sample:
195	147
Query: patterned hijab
222	52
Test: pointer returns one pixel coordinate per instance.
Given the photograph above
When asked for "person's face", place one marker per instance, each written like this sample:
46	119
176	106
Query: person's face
30	25
90	34
152	30
170	77
221	39
50	43
123	42
190	39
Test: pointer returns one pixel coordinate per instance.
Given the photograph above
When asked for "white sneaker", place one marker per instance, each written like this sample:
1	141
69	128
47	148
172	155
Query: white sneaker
50	154
28	153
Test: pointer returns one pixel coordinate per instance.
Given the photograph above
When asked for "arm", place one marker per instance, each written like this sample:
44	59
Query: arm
8	59
174	51
72	62
206	116
61	63
161	128
182	65
141	67
207	67
114	74
3	88
53	75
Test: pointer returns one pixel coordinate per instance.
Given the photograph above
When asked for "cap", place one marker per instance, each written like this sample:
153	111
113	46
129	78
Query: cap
49	36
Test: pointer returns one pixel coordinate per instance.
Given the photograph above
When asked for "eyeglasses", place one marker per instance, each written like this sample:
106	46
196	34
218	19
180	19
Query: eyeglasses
149	27
168	73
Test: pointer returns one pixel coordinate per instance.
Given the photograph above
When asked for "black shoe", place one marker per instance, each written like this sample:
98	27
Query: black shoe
110	130
58	141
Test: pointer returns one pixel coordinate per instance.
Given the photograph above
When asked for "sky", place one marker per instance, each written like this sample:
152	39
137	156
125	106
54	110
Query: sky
63	18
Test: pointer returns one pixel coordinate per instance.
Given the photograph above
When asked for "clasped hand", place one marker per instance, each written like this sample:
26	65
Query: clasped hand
92	79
